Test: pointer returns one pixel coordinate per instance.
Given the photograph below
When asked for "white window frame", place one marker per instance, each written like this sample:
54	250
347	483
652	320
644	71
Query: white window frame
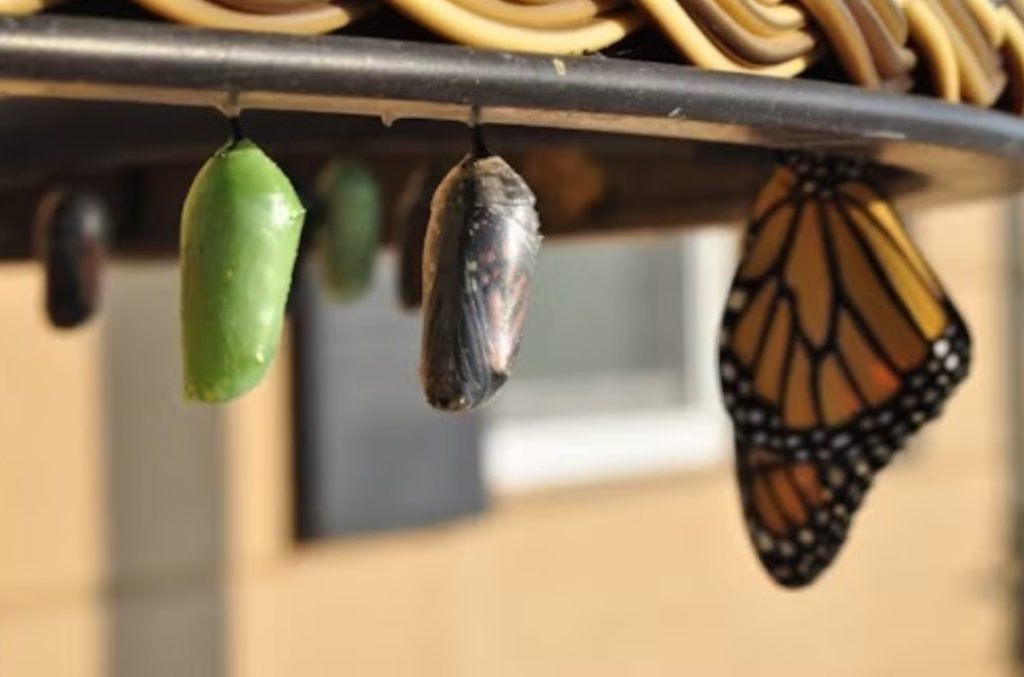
525	455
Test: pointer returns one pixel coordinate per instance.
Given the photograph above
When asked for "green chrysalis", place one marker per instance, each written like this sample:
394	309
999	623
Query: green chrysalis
240	230
351	234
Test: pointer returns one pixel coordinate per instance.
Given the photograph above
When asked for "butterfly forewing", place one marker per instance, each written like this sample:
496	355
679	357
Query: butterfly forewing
838	342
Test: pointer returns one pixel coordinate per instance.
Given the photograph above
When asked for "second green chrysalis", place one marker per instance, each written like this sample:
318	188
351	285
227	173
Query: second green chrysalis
351	203
240	230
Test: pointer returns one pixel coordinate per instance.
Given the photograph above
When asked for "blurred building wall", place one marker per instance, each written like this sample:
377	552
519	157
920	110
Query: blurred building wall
112	533
651	577
52	526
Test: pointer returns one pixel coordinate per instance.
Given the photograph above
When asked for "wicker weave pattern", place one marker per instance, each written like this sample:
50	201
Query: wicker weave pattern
959	50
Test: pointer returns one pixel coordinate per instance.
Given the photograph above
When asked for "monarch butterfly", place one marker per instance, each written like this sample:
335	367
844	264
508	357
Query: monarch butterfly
478	262
240	229
838	342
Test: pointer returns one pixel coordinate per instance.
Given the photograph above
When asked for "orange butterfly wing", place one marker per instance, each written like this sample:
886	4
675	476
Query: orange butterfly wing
837	343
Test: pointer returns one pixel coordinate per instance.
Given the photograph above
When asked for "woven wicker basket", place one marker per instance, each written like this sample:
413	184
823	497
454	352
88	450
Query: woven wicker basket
959	50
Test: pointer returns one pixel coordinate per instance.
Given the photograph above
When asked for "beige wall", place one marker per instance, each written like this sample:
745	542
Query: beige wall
51	489
649	577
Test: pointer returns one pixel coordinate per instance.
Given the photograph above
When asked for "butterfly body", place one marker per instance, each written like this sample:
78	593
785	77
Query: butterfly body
837	344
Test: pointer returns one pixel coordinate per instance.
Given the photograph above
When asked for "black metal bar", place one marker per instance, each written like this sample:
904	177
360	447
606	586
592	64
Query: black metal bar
674	178
72	57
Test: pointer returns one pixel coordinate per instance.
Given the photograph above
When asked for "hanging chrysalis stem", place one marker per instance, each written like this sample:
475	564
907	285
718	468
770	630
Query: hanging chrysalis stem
235	122
479	150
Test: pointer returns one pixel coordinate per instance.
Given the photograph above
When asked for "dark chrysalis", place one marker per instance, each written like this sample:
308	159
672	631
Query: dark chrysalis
413	215
71	227
478	262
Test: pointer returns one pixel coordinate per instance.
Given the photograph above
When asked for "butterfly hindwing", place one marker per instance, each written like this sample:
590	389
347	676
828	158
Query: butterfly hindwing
838	342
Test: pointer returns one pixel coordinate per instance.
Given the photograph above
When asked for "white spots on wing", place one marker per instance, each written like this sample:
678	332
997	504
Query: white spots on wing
737	300
881	452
